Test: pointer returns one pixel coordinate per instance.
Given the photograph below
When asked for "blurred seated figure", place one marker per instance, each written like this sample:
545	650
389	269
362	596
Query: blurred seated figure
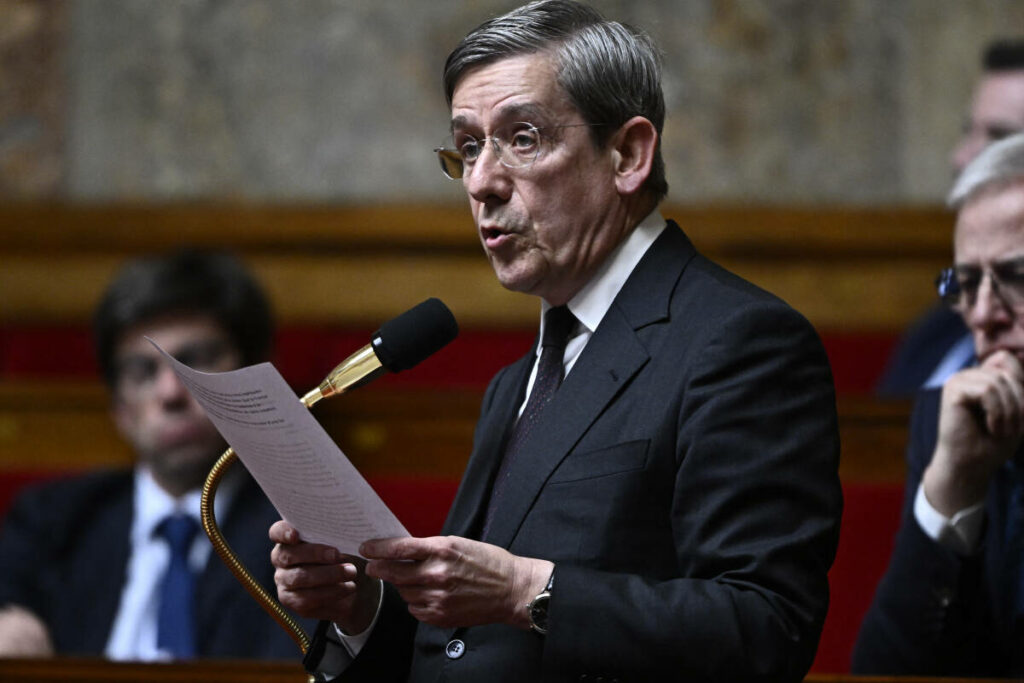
115	563
938	344
952	600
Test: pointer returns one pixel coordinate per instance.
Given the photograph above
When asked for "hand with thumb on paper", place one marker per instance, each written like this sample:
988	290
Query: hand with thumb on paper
318	581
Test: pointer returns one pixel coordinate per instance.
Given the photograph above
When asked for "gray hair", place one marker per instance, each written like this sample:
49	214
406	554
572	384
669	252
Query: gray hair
1000	164
611	72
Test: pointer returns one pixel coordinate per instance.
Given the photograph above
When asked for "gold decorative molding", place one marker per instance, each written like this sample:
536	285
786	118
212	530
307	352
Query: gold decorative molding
843	267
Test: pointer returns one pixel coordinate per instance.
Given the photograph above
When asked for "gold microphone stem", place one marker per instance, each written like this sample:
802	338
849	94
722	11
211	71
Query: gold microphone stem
227	555
354	371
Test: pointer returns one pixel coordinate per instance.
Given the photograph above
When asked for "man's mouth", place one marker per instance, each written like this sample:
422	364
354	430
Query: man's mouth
183	432
489	232
494	236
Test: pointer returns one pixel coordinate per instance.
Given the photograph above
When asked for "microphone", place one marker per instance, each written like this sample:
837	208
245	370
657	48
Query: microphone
399	344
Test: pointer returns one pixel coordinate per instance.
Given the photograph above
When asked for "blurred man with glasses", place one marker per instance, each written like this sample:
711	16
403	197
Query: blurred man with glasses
114	563
653	490
952	600
937	344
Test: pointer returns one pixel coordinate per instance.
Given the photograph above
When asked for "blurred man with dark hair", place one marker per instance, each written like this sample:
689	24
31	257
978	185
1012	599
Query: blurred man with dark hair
952	600
938	344
115	563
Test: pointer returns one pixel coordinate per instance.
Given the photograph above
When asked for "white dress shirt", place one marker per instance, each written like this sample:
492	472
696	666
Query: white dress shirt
133	634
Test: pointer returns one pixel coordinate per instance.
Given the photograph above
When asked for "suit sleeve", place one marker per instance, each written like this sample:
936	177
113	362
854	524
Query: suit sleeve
927	616
387	653
23	551
755	512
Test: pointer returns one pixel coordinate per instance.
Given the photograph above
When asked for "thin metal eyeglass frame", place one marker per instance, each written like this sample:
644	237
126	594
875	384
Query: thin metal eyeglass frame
454	166
947	285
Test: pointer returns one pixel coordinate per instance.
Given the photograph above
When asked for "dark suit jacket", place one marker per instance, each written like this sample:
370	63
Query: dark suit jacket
683	481
936	613
64	553
920	351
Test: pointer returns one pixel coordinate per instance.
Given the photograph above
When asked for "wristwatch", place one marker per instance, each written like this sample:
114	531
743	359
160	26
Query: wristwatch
537	609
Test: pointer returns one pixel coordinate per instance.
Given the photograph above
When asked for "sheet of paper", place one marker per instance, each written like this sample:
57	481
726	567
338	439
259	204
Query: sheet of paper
305	475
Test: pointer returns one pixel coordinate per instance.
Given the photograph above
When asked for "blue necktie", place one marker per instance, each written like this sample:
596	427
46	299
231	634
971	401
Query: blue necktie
558	323
175	632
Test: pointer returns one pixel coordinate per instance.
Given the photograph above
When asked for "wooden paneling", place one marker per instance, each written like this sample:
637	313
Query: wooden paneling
46	426
873	438
83	670
762	230
845	268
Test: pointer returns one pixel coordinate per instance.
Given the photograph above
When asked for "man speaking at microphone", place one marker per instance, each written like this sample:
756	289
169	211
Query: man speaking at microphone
653	490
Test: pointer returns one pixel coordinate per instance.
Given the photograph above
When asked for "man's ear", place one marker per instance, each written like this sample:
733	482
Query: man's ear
634	145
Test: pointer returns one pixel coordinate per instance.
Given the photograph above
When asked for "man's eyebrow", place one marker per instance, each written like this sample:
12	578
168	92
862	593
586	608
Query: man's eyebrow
974	265
524	111
527	112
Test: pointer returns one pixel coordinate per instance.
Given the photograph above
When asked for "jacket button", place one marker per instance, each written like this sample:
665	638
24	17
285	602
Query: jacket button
455	649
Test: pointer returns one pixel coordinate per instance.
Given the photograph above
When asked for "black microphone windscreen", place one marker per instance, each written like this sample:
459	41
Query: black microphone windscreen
404	341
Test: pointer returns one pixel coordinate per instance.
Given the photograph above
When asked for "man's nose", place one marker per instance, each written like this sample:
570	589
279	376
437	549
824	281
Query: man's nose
167	386
989	310
488	179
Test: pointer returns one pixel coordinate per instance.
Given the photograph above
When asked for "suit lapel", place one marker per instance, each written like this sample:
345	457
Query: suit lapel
611	358
606	365
108	543
217	586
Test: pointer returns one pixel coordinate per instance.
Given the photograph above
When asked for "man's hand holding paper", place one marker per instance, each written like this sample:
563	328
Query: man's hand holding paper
318	581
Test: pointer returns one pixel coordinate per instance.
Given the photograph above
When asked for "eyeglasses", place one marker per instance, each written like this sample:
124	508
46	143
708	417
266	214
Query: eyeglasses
137	373
958	286
516	147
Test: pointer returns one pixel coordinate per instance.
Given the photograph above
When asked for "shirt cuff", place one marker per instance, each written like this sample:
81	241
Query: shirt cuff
341	649
959	533
354	643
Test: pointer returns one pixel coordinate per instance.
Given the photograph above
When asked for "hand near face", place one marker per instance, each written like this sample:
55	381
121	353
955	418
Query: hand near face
317	581
981	425
451	581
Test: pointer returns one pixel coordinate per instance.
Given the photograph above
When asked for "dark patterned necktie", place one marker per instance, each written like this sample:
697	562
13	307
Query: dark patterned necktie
175	633
558	323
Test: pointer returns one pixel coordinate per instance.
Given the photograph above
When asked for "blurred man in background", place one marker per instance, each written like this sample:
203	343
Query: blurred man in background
952	600
938	344
115	563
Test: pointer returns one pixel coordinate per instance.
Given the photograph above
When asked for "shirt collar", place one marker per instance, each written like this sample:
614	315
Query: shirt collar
592	302
153	504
